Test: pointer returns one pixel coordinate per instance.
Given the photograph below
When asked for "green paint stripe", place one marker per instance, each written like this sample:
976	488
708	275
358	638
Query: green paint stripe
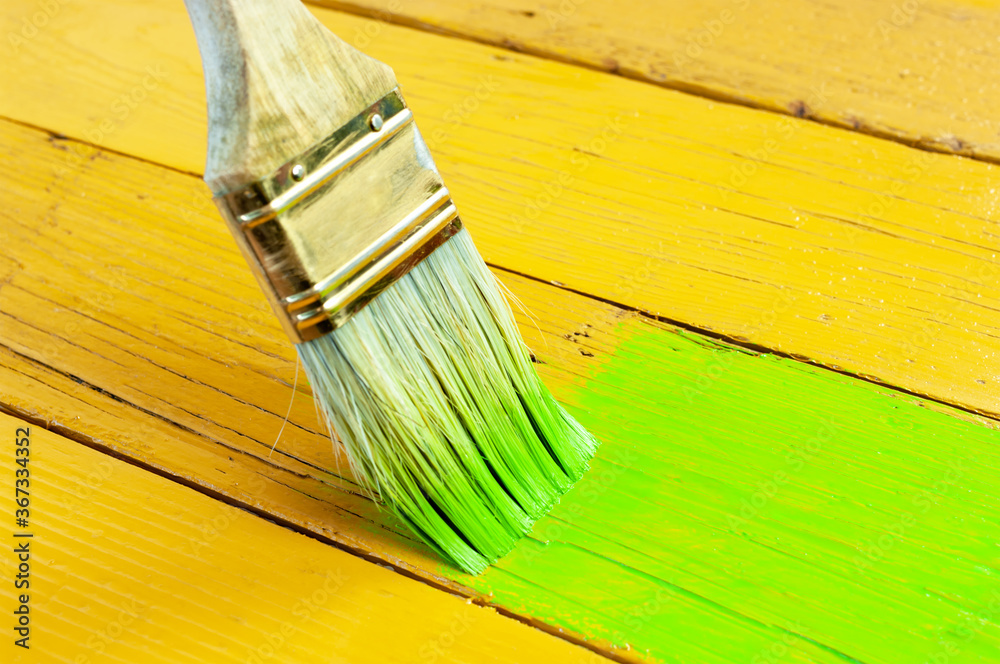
747	508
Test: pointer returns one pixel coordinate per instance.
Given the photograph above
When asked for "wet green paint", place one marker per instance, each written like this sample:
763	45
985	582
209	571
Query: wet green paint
747	508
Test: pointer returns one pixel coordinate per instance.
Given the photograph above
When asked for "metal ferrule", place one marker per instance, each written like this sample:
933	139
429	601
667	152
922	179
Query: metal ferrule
330	230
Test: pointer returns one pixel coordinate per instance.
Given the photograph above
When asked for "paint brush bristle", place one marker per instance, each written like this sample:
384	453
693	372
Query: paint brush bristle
433	394
414	358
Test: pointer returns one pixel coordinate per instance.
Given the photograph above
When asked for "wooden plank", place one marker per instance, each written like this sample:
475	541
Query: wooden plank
100	290
849	251
122	568
919	72
741	506
112	335
751	508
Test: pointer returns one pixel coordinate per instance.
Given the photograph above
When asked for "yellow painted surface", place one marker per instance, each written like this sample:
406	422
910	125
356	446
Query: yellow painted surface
129	567
847	250
918	72
114	333
115	329
128	320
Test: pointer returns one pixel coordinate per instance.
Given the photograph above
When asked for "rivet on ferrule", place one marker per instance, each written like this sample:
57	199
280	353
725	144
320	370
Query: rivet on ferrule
337	225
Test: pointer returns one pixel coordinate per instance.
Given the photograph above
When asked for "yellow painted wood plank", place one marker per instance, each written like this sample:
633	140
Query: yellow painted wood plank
111	333
847	250
654	554
122	568
915	71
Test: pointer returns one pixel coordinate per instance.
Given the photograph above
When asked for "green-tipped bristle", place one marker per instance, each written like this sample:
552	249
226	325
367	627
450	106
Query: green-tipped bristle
442	414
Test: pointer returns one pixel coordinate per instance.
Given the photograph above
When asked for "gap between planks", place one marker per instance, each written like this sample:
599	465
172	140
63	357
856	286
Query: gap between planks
131	230
705	332
746	345
245	554
659	56
450	588
863	258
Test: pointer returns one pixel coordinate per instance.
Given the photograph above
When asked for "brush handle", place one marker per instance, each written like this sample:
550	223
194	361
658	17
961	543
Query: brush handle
277	82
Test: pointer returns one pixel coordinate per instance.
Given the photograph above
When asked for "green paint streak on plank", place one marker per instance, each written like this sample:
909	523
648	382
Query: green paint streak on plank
748	508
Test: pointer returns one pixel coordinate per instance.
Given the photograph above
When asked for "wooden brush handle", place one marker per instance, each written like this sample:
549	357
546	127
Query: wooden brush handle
277	83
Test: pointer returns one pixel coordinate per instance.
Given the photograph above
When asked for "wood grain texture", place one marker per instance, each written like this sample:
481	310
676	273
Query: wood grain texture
741	506
846	250
277	83
748	508
124	570
919	72
112	332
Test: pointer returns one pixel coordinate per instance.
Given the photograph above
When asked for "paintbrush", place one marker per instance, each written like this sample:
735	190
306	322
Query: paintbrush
411	349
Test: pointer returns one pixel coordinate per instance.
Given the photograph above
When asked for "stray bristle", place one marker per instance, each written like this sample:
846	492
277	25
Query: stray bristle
432	392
